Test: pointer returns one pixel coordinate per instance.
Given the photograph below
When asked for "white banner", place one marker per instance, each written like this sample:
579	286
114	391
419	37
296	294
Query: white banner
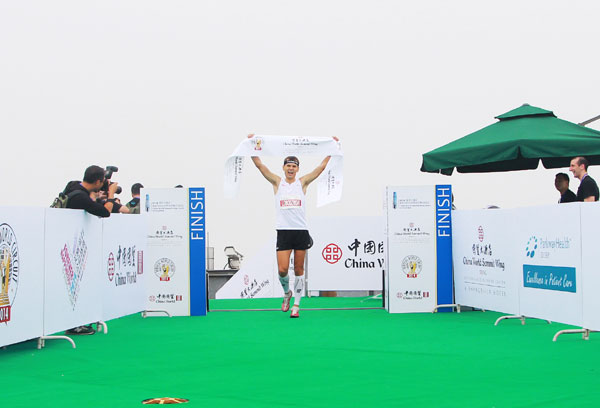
167	258
348	253
548	245
258	276
484	260
21	274
123	247
330	182
411	237
73	255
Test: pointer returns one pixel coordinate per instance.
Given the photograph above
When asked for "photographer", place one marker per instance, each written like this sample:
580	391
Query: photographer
94	180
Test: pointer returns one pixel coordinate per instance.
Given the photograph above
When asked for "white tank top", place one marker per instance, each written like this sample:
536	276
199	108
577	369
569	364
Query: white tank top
290	206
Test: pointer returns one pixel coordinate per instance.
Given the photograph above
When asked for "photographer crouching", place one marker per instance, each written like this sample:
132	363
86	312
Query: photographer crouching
82	195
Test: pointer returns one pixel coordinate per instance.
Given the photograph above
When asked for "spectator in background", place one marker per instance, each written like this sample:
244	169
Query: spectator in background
134	204
82	194
588	189
561	182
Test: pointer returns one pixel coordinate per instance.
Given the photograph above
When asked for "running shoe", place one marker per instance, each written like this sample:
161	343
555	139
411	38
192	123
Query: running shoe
295	311
285	306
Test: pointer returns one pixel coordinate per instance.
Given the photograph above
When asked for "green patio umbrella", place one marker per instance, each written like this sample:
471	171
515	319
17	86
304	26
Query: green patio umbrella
518	141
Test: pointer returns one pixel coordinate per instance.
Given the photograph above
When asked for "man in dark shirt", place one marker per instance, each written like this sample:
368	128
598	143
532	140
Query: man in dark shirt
80	198
134	204
588	189
561	182
79	193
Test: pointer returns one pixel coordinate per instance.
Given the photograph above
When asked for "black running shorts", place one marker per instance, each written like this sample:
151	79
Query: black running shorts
293	239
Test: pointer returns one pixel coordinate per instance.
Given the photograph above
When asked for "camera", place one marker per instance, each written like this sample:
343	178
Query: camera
108	172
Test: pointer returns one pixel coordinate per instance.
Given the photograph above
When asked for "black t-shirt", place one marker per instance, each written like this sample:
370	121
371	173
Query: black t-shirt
568	197
587	188
79	199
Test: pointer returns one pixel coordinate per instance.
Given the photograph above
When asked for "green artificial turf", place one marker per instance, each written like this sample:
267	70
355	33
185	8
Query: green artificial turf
326	358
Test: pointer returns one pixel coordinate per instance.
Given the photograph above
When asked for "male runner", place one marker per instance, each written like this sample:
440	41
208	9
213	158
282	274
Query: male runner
292	230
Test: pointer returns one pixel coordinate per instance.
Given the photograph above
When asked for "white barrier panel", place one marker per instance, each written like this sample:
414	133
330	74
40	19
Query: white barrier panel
21	274
348	253
485	269
73	256
122	274
590	225
419	234
258	277
548	245
167	250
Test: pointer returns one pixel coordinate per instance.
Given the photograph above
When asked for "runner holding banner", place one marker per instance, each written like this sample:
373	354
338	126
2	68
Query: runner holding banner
290	200
329	186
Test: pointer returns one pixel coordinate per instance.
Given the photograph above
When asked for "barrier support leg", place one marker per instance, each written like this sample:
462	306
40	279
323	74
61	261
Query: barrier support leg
102	324
145	312
453	305
585	333
515	317
42	340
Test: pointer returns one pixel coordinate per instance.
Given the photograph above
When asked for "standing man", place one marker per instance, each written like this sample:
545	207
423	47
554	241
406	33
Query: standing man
561	182
588	189
292	229
134	204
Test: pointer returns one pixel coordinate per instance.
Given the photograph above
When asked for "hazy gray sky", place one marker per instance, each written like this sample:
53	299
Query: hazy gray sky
166	90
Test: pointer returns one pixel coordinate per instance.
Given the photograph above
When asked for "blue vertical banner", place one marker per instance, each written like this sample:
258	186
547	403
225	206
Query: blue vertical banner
197	239
443	233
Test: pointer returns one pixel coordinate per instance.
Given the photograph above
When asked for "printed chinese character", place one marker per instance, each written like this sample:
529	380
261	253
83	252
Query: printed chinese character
354	246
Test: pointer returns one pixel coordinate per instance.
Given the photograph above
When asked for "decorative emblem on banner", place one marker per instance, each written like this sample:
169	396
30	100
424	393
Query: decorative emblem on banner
332	253
480	233
164	268
9	271
412	266
74	261
532	245
111	266
257	142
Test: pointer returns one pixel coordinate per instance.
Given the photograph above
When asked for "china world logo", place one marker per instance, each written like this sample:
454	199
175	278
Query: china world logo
332	253
9	271
480	233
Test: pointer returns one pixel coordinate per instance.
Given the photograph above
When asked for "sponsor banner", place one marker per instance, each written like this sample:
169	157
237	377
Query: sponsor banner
123	275
167	255
197	243
73	272
411	250
348	253
21	274
443	229
548	248
258	276
590	225
485	260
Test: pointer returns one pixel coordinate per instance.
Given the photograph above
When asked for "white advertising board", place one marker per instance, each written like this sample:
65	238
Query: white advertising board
411	249
21	274
348	253
548	248
123	247
73	254
590	225
258	276
167	251
486	274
